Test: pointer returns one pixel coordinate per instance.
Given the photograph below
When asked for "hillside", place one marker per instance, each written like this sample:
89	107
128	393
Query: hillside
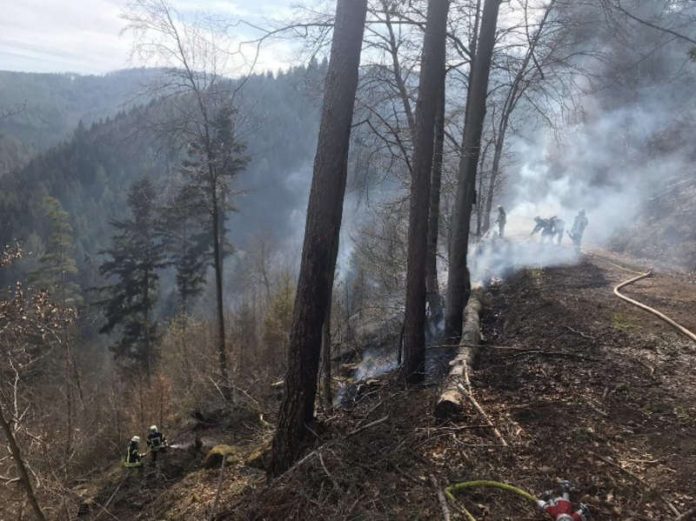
440	265
46	108
580	385
88	172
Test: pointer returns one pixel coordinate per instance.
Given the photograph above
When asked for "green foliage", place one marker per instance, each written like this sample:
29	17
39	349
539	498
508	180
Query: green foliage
57	268
88	172
53	104
132	265
278	319
187	242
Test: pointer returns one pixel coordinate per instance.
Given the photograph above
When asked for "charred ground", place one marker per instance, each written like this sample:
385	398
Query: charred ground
581	385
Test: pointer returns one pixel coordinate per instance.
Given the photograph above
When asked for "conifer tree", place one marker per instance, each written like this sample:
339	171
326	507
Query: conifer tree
187	244
215	157
132	263
57	269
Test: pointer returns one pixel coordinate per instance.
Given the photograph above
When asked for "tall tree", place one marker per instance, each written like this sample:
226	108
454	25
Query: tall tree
132	263
187	242
57	267
432	286
433	63
56	274
458	282
322	229
215	158
202	118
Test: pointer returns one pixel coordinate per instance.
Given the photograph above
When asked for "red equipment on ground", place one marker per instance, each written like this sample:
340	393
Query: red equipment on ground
561	508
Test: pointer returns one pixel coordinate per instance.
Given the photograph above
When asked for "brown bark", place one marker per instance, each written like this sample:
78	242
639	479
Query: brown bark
396	65
21	467
450	403
322	229
431	283
326	361
219	301
458	283
432	65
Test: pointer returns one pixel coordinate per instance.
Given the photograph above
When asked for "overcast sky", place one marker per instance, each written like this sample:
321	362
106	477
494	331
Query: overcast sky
84	35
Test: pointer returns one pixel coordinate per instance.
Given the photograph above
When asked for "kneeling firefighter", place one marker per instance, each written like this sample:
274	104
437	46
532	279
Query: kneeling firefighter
133	456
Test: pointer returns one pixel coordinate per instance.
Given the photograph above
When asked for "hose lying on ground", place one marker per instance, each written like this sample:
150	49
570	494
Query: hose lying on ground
458	487
617	292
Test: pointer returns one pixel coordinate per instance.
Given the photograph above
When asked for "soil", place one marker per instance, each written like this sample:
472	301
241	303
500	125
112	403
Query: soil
581	385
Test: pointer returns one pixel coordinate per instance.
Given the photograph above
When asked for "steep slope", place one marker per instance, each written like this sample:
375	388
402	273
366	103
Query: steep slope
89	174
46	108
580	385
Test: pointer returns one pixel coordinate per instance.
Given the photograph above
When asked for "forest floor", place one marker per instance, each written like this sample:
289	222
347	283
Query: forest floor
581	385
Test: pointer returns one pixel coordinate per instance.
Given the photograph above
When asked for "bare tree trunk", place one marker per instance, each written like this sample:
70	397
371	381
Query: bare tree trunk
218	265
497	154
431	283
21	467
324	214
68	411
458	283
396	65
326	360
432	65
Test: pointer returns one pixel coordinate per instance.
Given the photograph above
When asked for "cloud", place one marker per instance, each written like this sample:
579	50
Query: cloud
84	36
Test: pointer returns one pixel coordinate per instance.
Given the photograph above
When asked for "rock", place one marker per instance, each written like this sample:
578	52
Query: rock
215	456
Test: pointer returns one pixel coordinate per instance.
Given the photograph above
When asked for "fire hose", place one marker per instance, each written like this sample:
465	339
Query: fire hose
662	316
559	508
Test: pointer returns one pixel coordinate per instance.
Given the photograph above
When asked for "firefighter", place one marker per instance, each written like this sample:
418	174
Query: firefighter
545	226
156	442
500	221
134	458
558	226
578	229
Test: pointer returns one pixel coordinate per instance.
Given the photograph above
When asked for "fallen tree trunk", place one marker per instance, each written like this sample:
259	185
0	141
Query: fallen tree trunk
451	401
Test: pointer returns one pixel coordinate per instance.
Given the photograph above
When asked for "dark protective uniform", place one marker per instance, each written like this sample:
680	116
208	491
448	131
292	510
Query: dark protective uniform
558	226
578	229
501	221
133	456
156	442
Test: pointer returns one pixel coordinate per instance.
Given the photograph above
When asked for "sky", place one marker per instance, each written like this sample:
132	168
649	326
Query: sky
84	36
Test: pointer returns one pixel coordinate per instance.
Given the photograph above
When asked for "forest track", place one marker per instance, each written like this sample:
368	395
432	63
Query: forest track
678	327
633	404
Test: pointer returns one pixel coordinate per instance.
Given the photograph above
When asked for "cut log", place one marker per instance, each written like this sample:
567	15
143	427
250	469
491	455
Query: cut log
451	401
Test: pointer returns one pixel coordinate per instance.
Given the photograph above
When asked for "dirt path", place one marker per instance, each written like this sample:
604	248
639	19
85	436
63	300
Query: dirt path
603	387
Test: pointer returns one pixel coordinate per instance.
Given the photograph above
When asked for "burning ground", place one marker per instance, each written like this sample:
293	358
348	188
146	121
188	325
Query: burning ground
581	385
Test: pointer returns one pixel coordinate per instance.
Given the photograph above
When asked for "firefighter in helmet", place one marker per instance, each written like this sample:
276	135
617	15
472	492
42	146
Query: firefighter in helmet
156	441
578	229
133	456
500	221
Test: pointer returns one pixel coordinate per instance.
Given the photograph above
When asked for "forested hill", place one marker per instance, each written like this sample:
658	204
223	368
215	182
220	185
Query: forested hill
90	172
44	109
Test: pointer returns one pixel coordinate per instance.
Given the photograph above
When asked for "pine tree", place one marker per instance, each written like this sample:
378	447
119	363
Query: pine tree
324	214
215	158
133	260
187	243
57	269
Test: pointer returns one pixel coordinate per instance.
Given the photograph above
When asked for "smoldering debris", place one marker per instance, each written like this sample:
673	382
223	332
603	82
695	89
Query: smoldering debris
497	258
